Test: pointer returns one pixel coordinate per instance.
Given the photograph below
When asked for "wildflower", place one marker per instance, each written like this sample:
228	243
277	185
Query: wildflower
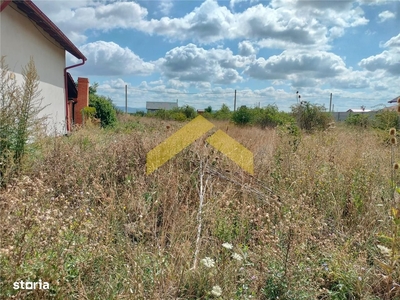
236	256
384	250
395	166
216	290
208	262
227	246
392	131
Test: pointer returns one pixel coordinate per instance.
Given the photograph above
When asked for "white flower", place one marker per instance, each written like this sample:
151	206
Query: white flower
227	246
236	256
208	262
216	290
385	250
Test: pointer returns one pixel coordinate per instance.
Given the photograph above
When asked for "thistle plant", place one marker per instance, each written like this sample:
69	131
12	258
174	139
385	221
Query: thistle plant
390	250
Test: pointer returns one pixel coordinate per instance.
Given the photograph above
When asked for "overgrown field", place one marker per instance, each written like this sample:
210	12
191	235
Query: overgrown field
314	222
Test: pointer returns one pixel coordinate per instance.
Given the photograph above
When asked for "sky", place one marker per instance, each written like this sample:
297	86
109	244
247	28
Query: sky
200	52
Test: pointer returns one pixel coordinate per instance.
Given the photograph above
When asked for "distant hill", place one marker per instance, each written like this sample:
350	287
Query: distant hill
131	109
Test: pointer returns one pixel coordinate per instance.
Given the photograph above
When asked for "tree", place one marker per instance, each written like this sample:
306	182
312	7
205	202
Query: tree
242	116
311	116
105	109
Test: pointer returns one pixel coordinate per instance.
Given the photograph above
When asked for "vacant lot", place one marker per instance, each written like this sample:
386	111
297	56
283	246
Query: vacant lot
309	224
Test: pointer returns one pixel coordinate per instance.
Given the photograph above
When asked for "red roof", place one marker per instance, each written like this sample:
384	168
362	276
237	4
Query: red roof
36	15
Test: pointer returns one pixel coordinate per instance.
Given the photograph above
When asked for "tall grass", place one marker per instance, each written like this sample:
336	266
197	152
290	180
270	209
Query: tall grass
85	218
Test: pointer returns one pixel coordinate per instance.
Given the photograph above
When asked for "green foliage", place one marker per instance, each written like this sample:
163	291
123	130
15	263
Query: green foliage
360	120
105	110
178	114
188	111
19	109
311	116
89	112
224	113
242	116
386	119
208	109
270	116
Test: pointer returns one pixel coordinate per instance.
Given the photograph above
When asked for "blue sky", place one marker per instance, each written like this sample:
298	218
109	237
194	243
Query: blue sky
200	52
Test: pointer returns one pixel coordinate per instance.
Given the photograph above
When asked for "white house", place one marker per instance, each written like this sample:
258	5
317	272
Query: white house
25	31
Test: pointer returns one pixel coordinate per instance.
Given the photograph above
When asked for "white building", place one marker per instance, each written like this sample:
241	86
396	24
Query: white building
25	32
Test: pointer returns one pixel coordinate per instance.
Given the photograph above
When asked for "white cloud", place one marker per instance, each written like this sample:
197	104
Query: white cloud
108	58
193	64
388	60
288	22
386	15
246	48
393	42
166	6
288	65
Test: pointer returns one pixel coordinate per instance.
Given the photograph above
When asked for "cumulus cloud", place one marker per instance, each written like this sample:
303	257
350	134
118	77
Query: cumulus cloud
191	63
166	6
386	15
388	60
246	48
317	64
292	22
393	42
108	58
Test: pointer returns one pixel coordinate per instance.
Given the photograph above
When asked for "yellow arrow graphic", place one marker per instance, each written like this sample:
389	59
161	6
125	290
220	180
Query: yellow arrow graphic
233	149
177	142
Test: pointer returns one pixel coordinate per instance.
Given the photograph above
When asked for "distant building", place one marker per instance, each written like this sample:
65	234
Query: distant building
394	100
154	106
358	110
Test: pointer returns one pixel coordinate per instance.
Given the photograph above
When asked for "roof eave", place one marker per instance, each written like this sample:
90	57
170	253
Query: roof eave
35	14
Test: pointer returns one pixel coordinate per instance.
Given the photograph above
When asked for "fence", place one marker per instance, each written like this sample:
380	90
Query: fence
341	116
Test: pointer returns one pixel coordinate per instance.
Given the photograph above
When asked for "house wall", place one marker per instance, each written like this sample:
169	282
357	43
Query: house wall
20	39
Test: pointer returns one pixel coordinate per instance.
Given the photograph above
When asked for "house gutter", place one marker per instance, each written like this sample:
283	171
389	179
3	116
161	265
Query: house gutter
4	4
66	92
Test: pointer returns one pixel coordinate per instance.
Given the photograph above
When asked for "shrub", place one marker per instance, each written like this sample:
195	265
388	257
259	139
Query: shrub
311	116
208	109
19	110
360	120
270	116
242	116
386	119
188	111
105	110
223	114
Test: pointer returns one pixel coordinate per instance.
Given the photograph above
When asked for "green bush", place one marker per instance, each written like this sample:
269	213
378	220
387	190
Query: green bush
88	112
242	116
224	113
270	116
188	111
178	116
360	120
386	119
311	116
105	110
20	106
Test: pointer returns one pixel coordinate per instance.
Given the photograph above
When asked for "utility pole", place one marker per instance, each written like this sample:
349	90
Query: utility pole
234	103
126	98
330	104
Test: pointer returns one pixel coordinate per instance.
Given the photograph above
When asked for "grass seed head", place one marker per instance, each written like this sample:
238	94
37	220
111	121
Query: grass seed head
392	131
393	141
395	166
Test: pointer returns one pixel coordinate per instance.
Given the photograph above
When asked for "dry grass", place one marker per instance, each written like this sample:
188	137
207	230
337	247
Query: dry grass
85	217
